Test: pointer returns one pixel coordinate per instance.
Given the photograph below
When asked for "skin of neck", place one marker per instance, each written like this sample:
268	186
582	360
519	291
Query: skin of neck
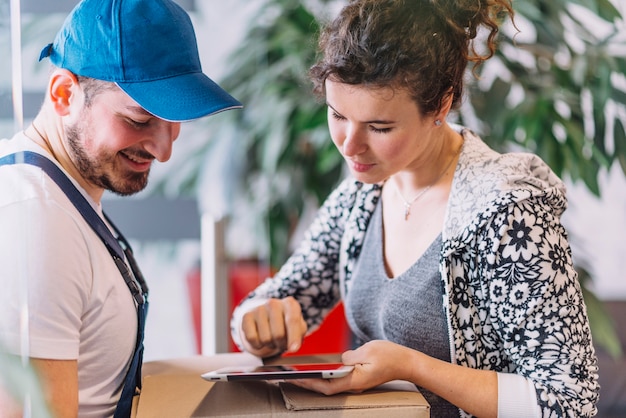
446	143
47	131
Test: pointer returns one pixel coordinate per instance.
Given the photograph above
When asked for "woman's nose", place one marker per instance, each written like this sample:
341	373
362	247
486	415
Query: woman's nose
353	143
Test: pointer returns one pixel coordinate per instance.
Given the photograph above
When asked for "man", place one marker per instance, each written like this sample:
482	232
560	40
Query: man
125	74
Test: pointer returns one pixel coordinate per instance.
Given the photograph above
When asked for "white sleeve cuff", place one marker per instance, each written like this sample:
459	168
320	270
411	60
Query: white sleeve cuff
516	397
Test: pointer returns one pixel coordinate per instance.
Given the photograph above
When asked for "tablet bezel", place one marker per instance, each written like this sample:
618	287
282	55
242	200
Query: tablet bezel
279	372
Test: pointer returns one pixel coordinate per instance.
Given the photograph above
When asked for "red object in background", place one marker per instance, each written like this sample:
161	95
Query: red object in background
333	336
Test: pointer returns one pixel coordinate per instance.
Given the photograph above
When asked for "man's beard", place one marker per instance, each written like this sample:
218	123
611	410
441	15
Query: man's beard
100	170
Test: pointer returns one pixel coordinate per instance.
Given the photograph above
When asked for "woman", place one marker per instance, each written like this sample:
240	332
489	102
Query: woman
450	258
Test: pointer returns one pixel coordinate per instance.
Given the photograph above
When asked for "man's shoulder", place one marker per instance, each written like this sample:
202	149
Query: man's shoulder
18	142
26	185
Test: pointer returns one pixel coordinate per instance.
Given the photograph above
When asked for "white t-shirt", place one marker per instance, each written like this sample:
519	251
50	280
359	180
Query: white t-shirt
78	305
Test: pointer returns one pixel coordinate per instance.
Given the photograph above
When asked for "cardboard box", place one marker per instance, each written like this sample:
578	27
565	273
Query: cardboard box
174	388
190	396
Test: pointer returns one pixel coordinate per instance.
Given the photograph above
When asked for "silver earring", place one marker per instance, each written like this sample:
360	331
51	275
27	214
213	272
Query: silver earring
437	122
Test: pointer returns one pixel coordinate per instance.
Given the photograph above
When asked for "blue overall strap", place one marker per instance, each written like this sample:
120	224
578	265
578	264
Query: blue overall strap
139	292
132	382
85	209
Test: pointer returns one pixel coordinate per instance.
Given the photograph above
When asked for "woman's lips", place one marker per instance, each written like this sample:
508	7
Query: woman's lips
360	167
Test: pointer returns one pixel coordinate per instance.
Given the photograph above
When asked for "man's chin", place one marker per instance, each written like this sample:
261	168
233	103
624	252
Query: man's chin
129	188
124	193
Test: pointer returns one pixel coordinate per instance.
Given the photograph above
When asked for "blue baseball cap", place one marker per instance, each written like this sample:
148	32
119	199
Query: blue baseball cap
147	47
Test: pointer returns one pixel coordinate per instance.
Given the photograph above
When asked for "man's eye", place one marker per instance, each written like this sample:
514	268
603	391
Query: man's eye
137	123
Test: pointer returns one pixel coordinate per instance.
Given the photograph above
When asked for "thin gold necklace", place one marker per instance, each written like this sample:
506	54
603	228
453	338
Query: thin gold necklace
408	204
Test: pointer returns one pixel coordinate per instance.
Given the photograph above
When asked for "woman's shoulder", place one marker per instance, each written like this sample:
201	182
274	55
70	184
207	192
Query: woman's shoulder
481	167
487	181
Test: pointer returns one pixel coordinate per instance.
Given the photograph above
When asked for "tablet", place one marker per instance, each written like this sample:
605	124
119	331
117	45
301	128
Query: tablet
280	372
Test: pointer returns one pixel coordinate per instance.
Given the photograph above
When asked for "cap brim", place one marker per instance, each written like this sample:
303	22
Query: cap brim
181	98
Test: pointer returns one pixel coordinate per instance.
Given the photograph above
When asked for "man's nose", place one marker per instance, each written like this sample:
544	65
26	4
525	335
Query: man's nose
160	146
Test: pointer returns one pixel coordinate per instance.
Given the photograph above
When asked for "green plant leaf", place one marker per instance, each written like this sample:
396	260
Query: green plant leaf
602	326
619	138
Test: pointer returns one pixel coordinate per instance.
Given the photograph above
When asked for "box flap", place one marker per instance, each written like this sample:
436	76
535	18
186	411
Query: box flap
191	396
171	395
397	393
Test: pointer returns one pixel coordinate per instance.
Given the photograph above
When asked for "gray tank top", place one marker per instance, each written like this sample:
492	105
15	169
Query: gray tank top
407	310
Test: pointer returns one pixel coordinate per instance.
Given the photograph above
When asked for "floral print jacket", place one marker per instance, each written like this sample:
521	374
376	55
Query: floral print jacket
513	300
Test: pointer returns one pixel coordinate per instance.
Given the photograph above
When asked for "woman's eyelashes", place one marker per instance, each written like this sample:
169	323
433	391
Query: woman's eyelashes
379	130
372	128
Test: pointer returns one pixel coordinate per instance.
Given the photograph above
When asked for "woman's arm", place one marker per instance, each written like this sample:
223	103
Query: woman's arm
267	322
376	362
537	307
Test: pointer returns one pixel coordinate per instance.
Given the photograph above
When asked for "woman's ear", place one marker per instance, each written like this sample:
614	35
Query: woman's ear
62	89
446	105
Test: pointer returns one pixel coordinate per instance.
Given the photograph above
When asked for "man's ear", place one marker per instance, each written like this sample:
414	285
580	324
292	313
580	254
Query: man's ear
62	89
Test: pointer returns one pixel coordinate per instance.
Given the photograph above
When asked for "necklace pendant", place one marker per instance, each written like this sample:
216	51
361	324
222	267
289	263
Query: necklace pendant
407	211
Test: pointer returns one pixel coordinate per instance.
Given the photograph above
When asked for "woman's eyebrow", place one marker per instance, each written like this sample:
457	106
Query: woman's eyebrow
374	121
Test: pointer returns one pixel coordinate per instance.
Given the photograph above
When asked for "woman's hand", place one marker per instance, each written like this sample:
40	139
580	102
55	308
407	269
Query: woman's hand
274	327
375	363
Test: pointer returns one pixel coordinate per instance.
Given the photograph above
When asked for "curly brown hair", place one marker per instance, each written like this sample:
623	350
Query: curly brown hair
422	46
